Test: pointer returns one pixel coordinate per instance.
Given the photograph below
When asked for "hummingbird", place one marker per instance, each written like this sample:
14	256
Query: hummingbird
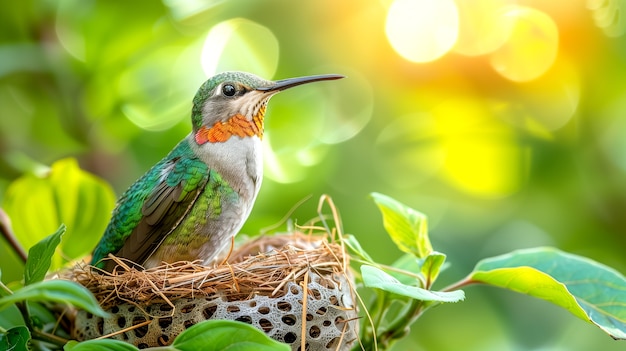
191	204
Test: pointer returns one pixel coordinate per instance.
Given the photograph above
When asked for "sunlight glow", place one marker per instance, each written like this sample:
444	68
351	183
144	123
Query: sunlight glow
548	103
291	165
348	108
484	167
72	37
422	30
483	157
139	83
531	48
608	15
239	44
186	9
408	146
483	26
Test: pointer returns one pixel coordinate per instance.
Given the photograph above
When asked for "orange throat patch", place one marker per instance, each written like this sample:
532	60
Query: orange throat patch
237	125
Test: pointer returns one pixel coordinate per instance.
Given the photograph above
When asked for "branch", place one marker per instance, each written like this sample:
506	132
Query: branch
461	283
7	233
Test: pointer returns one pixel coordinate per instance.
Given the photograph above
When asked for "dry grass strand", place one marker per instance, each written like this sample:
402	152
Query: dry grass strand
261	266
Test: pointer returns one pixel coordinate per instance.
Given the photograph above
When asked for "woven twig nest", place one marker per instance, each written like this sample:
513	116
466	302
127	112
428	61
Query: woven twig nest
289	286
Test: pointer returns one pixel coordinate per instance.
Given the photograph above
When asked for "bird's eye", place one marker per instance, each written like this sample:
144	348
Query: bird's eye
229	90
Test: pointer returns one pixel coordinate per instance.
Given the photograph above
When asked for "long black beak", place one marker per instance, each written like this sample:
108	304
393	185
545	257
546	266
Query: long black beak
283	84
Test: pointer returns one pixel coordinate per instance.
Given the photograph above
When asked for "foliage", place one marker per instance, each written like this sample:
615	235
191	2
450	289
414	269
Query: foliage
63	194
36	293
36	270
225	335
15	338
587	289
591	291
407	227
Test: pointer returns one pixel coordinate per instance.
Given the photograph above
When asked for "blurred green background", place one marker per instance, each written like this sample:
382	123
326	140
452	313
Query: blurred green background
504	121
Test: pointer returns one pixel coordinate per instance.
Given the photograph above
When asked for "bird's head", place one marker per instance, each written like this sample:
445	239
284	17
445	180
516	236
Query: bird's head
233	104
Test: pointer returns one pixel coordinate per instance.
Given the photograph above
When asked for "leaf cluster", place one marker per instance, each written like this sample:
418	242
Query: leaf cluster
403	291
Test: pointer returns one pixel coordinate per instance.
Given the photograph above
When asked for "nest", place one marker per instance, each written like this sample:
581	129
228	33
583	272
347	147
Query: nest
295	287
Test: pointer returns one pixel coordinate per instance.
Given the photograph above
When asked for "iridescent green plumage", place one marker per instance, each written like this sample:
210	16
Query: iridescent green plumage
190	204
154	205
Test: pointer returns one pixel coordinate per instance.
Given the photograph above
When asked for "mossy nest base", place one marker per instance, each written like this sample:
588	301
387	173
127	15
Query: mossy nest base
289	286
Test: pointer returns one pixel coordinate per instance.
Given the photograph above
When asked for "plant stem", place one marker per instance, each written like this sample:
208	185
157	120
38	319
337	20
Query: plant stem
5	289
371	327
37	334
7	233
23	307
49	338
404	320
458	285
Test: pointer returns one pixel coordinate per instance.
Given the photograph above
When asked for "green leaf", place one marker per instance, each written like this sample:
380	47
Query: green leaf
15	339
589	290
11	317
407	263
376	278
353	244
38	205
406	227
217	335
99	345
432	265
411	268
63	291
40	257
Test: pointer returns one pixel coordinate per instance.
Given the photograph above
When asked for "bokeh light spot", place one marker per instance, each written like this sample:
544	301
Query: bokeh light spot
347	108
608	15
422	30
155	98
239	44
303	122
532	46
409	147
290	165
546	104
71	38
185	9
485	167
483	26
483	157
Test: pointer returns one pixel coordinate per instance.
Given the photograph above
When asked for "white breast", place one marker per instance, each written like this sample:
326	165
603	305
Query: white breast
238	160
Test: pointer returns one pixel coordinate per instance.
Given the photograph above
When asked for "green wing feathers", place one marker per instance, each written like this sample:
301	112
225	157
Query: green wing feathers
153	206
